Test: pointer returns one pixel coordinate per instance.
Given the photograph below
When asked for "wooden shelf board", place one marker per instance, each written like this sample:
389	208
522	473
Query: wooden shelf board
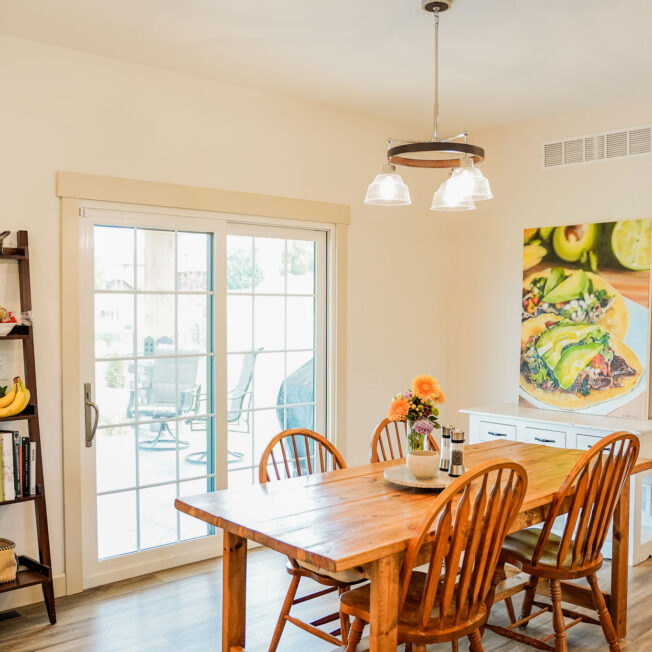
13	253
24	499
18	333
27	413
24	577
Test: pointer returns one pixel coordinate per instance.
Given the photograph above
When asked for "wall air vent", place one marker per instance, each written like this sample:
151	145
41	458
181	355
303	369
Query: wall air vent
598	147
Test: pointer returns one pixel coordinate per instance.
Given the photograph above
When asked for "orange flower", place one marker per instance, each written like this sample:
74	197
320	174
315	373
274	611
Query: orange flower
426	387
439	396
398	409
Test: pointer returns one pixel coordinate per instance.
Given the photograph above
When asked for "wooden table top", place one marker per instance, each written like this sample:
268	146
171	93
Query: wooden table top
343	519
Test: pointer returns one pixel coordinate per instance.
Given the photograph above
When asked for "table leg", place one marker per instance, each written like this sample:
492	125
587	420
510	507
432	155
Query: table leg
384	575
619	564
234	580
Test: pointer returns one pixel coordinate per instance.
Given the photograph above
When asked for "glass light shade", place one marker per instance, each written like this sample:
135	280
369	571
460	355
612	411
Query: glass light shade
451	197
471	181
388	189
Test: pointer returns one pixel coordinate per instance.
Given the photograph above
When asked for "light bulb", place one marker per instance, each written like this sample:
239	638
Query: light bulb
451	196
472	181
388	189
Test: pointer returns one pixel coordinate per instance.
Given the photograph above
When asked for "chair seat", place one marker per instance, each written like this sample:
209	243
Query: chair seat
345	577
160	411
356	603
518	549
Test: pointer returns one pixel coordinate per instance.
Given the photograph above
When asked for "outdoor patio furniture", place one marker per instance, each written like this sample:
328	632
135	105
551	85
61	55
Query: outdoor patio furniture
238	414
298	393
157	398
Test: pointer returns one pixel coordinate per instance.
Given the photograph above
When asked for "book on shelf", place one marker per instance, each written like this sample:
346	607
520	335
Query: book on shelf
24	465
32	468
18	455
8	464
16	461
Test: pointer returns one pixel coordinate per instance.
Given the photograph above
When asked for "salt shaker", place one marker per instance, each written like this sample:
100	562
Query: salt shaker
445	457
457	453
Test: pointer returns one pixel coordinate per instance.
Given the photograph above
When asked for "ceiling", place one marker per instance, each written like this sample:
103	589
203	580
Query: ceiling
502	61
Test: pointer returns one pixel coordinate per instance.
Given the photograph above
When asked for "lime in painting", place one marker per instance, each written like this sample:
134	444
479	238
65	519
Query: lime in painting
585	314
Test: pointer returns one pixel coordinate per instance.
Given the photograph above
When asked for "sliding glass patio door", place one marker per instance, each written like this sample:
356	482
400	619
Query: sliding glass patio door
201	340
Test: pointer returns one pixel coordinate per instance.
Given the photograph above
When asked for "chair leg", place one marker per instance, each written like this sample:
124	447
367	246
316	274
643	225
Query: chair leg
561	644
499	576
475	640
345	625
285	610
408	647
355	634
603	614
454	645
419	647
528	598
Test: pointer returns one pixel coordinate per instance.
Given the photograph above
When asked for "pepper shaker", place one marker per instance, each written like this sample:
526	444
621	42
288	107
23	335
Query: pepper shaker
457	453
444	459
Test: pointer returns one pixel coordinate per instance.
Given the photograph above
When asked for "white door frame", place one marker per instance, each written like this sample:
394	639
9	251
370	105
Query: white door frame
78	190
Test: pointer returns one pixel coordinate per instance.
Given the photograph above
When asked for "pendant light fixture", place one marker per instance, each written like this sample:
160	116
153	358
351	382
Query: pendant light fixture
466	183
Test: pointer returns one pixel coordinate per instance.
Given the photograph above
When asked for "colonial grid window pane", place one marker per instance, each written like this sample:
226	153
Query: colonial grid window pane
154	375
272	299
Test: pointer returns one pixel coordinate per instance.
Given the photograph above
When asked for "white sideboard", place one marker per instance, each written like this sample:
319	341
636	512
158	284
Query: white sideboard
579	431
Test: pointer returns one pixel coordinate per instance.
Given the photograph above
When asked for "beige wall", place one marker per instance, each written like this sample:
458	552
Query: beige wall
487	243
63	110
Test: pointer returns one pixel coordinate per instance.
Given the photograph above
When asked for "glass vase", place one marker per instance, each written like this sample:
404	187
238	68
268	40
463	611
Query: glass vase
415	440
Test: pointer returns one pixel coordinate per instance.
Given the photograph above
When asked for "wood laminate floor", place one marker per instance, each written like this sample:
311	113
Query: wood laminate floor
179	610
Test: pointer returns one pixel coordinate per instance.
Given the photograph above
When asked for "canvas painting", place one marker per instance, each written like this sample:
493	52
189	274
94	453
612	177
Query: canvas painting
585	318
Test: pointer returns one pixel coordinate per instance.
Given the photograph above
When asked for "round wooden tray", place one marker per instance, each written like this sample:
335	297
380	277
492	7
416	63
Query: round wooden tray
401	476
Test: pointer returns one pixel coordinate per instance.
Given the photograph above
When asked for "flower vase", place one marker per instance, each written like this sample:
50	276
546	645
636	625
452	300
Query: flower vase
415	440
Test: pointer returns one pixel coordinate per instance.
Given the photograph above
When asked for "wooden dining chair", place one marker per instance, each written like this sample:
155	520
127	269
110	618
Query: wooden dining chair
389	441
293	453
461	536
589	496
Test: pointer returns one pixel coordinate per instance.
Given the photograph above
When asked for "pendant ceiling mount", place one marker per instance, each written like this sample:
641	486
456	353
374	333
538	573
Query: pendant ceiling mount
465	185
436	5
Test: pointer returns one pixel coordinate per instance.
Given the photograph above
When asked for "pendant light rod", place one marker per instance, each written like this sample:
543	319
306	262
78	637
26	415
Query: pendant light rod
436	134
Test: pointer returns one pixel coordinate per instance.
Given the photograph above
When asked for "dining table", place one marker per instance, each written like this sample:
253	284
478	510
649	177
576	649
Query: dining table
354	519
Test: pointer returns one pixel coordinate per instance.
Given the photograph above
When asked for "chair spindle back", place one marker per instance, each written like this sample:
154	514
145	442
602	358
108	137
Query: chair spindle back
593	486
471	517
298	452
389	441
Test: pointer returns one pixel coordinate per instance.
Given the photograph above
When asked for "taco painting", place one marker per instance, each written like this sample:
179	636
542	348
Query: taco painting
570	365
577	296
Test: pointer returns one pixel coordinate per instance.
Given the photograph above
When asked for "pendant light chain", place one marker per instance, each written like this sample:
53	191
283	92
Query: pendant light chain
436	75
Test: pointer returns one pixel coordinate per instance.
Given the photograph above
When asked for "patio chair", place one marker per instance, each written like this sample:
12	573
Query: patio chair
238	414
157	399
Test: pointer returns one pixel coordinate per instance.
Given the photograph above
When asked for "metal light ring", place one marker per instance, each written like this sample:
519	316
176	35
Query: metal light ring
394	154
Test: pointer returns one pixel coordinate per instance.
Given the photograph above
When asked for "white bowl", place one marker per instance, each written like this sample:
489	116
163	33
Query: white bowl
423	465
6	328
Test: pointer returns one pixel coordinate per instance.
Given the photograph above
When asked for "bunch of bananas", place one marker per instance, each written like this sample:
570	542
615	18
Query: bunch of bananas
15	400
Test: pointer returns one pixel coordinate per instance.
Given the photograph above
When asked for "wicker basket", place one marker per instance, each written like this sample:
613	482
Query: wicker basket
8	561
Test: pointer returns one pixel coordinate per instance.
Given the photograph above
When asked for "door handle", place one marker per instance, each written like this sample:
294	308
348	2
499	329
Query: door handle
91	426
497	434
544	441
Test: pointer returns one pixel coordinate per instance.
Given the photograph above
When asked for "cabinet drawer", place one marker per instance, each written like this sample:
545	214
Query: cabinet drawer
544	437
496	431
585	442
